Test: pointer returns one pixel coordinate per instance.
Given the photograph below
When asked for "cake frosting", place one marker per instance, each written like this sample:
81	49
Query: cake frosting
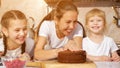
68	56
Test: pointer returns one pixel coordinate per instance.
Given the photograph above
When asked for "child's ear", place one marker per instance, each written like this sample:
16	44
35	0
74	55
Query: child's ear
5	31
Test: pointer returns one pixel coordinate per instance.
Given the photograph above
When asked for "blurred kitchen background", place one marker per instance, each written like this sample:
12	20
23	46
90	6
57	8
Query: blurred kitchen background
35	10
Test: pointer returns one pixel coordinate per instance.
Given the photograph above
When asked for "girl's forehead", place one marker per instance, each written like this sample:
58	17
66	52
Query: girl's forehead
95	16
17	22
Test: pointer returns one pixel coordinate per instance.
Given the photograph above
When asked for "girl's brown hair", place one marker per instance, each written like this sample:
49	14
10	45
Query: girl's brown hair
5	22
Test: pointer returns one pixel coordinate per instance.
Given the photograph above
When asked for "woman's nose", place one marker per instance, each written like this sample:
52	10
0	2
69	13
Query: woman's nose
71	25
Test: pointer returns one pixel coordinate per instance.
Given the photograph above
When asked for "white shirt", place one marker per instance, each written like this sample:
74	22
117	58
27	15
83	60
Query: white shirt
48	30
105	48
1	44
16	52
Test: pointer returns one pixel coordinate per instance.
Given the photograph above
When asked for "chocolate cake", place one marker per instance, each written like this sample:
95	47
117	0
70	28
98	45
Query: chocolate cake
68	56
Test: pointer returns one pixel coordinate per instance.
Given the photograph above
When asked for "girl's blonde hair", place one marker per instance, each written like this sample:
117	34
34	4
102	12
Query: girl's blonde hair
96	12
5	22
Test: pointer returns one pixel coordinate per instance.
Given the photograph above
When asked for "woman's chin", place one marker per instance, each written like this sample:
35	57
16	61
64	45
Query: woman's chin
67	34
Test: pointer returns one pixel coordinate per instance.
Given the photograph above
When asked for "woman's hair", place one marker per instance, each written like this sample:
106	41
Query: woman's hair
62	7
5	22
96	12
58	12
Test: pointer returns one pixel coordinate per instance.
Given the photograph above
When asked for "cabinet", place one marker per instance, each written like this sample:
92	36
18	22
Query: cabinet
87	3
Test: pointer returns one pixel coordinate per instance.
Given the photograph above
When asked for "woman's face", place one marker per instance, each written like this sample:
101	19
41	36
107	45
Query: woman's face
95	24
17	31
67	23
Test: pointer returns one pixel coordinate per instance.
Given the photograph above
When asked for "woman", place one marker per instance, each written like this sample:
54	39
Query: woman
60	30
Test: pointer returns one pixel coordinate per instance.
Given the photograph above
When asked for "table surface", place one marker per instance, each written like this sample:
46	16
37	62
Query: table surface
55	64
107	64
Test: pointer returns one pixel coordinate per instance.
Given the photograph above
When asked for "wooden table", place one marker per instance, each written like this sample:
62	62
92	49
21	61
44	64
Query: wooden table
34	64
55	64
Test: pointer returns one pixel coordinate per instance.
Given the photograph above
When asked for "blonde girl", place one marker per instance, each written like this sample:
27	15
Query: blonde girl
98	46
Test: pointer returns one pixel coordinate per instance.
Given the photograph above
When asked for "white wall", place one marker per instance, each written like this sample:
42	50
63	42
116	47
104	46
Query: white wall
34	8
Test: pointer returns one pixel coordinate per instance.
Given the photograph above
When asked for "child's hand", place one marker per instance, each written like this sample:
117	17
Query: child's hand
24	56
72	46
115	57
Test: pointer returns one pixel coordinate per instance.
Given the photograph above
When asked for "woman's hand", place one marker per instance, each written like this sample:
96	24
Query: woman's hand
72	46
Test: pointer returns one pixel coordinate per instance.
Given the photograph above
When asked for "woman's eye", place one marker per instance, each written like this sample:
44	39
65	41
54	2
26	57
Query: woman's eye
68	22
24	29
75	22
17	30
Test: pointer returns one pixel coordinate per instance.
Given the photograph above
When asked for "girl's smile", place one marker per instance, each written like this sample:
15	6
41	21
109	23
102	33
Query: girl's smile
95	24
